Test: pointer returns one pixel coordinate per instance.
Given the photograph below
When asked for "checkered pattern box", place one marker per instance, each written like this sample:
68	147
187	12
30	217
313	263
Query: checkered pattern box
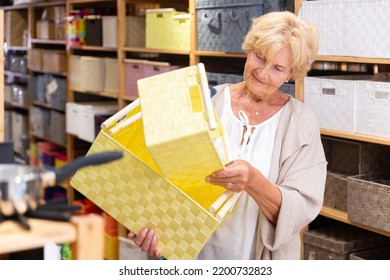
338	241
223	24
136	69
333	99
167	29
369	200
373	108
347	26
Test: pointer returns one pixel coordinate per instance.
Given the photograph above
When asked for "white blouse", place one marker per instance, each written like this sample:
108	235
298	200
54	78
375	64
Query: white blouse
236	237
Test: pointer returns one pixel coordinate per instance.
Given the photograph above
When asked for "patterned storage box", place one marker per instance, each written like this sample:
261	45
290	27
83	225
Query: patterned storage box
136	69
347	26
373	108
333	99
369	200
337	242
167	29
20	96
223	24
92	74
136	190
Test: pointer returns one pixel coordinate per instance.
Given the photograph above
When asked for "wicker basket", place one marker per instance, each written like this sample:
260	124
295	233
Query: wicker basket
369	200
92	74
337	242
382	253
167	29
136	190
111	81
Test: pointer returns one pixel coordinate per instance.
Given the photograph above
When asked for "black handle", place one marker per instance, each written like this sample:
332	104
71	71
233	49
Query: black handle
94	159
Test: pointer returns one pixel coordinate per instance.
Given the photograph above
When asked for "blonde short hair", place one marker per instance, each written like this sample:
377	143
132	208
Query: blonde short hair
275	30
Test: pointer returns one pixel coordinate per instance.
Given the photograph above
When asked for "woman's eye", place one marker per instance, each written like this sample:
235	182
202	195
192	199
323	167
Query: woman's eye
261	57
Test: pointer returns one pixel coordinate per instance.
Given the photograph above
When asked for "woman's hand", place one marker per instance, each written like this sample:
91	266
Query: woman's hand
235	177
147	241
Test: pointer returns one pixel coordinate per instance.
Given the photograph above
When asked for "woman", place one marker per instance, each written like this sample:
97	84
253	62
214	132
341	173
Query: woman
279	163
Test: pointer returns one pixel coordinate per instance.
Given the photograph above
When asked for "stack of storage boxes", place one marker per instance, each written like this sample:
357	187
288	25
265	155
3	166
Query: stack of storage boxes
355	104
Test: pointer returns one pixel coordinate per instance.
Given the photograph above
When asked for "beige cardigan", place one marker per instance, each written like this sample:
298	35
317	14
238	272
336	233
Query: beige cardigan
298	168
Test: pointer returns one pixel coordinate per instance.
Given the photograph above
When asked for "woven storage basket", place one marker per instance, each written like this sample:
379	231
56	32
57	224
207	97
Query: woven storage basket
333	98
92	73
136	190
222	25
373	108
136	69
167	29
346	26
337	242
382	253
369	200
74	75
109	31
111	77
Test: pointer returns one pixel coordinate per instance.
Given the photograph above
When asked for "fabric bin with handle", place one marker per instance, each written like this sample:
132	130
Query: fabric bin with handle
333	99
222	25
167	29
135	190
373	106
369	200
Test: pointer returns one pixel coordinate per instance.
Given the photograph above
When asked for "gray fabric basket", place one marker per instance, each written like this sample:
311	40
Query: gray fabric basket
223	24
369	200
337	242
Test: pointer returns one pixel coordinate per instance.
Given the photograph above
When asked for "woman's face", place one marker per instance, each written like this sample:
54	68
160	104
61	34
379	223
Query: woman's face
263	75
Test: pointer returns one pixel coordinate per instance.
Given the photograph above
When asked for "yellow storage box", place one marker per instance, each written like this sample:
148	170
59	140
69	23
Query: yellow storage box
153	185
167	29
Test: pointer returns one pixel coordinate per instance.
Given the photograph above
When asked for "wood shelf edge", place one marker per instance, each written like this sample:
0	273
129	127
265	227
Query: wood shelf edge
342	216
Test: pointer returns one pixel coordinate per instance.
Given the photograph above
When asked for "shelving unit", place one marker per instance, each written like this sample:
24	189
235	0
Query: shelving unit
376	64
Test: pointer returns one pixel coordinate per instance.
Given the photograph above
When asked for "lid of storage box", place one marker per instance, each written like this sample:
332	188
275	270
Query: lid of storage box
343	238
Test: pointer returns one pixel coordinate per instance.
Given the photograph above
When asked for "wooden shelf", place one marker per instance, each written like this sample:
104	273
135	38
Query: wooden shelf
85	233
220	54
47	41
146	50
356	136
353	59
342	216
